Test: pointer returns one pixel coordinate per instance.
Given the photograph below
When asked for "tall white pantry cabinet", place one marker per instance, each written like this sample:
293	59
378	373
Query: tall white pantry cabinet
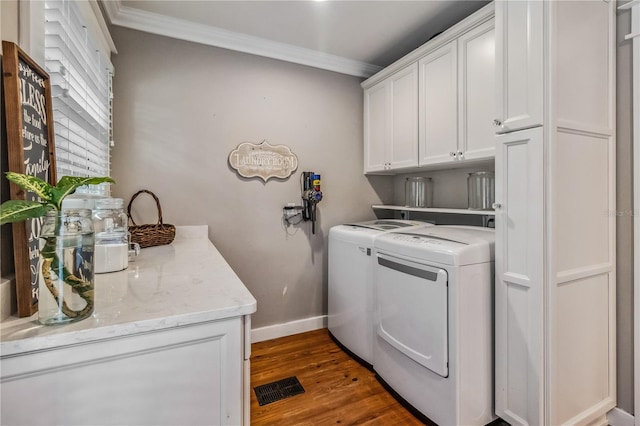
555	203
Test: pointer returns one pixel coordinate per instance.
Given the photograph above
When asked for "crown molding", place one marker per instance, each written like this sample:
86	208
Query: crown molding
154	23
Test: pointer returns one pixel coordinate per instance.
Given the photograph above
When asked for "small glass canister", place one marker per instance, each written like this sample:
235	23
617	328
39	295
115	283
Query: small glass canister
481	190
66	288
418	191
111	233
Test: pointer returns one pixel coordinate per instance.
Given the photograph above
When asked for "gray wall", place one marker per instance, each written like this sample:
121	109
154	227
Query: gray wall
449	186
181	108
624	246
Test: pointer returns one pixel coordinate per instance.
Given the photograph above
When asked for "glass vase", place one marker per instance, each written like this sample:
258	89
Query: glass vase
66	287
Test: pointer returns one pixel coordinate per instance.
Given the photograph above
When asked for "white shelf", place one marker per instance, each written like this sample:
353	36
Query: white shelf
434	210
629	5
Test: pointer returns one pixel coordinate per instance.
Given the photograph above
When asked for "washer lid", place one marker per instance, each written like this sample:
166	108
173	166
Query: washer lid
353	235
388	224
449	245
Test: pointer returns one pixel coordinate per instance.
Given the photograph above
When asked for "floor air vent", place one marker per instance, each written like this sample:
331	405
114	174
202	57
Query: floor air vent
272	392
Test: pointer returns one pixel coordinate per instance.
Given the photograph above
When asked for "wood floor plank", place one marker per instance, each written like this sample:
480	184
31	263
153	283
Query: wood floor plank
338	390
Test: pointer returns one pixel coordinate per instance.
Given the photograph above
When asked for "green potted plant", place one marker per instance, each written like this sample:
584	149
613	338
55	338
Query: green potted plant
66	291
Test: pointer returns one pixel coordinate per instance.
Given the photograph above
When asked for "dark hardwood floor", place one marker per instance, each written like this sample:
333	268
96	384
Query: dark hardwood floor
338	390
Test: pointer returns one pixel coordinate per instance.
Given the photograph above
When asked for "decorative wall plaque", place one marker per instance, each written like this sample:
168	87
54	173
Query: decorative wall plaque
263	160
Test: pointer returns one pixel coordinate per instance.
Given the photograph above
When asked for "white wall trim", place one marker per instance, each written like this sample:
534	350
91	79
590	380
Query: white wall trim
154	23
31	29
618	417
101	30
287	329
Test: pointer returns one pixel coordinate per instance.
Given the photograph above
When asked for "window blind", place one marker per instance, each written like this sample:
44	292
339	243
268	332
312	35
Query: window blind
81	77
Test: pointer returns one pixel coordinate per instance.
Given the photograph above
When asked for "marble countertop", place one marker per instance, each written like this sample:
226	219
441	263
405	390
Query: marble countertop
186	282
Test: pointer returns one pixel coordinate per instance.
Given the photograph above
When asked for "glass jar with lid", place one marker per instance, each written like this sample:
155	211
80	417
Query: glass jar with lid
110	223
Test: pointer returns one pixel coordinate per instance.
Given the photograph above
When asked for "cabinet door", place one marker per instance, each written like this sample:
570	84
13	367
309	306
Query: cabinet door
375	113
519	277
438	106
403	118
476	53
519	67
188	375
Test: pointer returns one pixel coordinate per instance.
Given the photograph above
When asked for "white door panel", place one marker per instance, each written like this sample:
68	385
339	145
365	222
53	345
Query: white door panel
476	52
375	111
519	66
438	106
519	277
403	140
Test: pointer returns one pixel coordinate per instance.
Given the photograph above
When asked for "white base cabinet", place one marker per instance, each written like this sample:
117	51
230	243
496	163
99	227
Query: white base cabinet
168	344
189	375
555	227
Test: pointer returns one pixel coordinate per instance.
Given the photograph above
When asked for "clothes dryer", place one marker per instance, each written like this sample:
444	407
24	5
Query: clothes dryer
433	292
350	293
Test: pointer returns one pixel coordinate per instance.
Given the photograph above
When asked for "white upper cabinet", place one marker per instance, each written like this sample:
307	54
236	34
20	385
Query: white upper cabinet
435	106
476	92
375	112
438	106
457	97
391	122
403	138
519	72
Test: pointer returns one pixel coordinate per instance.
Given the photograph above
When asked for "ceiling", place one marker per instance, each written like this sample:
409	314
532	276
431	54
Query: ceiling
356	37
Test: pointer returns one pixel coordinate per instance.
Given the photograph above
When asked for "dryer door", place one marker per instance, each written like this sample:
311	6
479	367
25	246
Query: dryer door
411	302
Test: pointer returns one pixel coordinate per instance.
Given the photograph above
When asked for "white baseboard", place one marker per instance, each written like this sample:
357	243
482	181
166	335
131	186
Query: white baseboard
287	329
618	417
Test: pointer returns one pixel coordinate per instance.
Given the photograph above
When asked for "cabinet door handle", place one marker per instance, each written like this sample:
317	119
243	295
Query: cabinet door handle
496	206
498	123
460	154
452	154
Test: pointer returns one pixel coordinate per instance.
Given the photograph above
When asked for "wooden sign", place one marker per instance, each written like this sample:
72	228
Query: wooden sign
263	160
30	147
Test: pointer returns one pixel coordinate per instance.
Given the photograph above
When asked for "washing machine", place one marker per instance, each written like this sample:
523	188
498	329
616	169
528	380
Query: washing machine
350	293
433	293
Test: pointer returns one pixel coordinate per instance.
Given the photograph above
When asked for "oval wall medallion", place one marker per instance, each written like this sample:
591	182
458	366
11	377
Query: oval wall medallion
263	160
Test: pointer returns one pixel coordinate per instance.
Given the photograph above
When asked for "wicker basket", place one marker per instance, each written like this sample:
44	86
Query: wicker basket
150	235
